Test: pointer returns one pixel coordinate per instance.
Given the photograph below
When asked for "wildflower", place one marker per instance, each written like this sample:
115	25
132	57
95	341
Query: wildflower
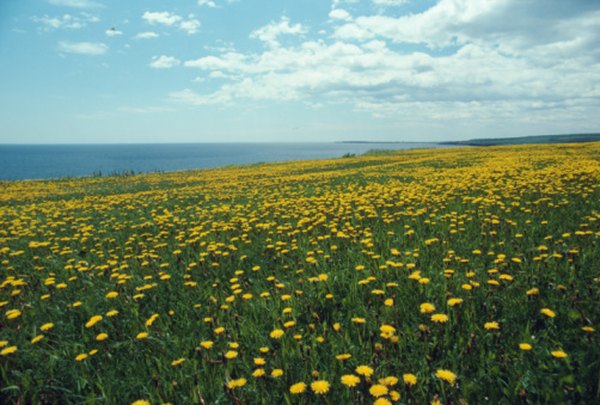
446	375
343	357
382	401
548	312
8	350
491	326
47	326
219	330
276	334
588	329
454	301
378	390
426	308
559	354
178	361
101	336
409	379
13	313
37	339
81	357
320	387
533	291
359	320
240	382
389	381
394	395
350	380
364	370
259	372
141	402
277	373
388	302
259	361
141	335
112	312
93	320
232	354
298	388
525	346
439	318
207	344
112	294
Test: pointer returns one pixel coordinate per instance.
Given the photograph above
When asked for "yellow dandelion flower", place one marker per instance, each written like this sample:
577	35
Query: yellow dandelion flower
178	361
112	312
364	370
426	308
548	312
37	339
409	379
141	402
344	356
491	326
47	326
588	329
81	357
8	350
439	318
389	381
446	375
101	336
525	346
454	301
320	387
559	354
231	354
112	294
394	395
13	313
350	380
93	320
141	335
259	372
378	390
277	373
298	388
259	361
207	344
382	401
277	334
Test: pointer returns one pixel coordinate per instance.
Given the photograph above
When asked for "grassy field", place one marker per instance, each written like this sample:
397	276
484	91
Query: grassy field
424	276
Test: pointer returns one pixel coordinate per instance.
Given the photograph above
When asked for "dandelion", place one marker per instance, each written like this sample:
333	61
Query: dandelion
37	339
320	387
112	294
383	401
344	356
298	388
207	344
409	379
491	326
426	308
177	362
93	320
548	312
350	380
389	381
238	383
231	354
259	372
81	357
101	336
8	350
446	375
525	346
276	373
47	326
559	354
364	371
378	390
13	313
112	312
141	402
141	335
439	318
454	301
277	334
588	329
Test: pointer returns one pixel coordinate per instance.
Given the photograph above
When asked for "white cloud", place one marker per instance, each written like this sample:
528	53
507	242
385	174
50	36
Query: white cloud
113	32
74	3
191	26
146	35
66	21
389	2
339	14
207	3
161	17
270	32
83	48
164	62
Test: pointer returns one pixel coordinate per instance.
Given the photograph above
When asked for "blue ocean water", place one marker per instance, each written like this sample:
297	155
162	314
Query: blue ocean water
19	162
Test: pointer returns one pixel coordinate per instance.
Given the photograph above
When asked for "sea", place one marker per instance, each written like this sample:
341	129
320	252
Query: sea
21	162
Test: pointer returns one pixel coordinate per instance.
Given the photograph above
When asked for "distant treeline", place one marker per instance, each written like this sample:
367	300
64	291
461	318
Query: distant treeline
570	138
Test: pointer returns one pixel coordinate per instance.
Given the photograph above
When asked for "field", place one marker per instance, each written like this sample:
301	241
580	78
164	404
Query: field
425	276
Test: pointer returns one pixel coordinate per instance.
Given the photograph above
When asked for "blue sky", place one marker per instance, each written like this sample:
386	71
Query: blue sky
107	71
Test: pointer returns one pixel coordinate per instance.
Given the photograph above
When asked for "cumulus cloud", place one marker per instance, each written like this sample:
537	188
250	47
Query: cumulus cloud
66	21
161	17
83	48
389	2
270	32
190	26
74	3
164	62
146	35
113	32
339	14
207	3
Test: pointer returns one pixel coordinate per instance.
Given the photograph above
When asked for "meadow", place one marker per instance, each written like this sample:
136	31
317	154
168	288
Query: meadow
426	276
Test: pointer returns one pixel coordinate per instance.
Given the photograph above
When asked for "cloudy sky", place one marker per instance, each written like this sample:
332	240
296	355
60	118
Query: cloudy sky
88	71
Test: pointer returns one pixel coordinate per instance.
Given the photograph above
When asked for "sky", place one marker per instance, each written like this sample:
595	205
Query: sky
146	71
